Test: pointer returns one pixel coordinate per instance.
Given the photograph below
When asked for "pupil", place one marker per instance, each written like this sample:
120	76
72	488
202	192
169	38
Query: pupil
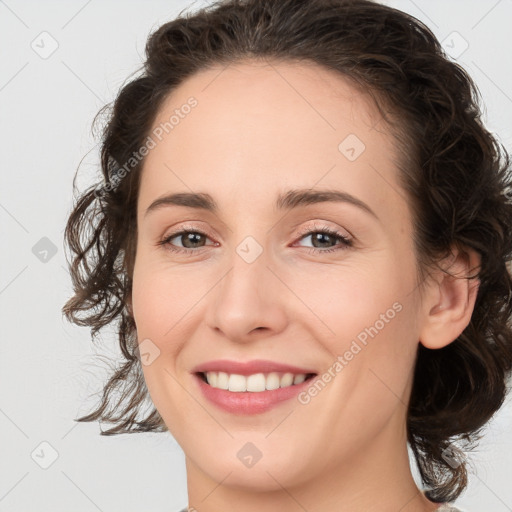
190	238
319	237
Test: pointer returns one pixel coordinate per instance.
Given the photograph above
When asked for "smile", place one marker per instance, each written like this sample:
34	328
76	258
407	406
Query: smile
255	383
241	400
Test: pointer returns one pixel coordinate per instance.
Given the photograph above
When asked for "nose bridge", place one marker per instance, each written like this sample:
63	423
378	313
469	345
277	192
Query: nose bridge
247	297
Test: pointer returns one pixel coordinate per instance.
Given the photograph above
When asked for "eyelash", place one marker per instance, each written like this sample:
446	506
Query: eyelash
345	242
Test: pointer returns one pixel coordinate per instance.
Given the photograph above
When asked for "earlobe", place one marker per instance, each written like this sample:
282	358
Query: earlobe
450	299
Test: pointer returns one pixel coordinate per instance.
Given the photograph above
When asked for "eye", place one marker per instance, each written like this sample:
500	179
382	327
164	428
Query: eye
193	240
325	235
190	238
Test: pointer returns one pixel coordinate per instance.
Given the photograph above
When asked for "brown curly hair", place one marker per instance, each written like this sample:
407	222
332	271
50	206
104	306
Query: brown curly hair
455	174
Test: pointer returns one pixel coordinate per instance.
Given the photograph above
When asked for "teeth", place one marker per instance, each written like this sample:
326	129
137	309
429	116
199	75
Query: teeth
299	378
256	383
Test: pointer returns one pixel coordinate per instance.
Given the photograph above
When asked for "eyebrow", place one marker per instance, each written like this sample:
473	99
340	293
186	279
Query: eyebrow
285	201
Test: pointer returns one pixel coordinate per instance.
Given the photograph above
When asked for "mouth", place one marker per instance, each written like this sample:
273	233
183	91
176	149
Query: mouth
251	394
254	383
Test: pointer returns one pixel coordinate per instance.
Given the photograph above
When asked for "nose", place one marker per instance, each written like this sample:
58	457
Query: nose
249	301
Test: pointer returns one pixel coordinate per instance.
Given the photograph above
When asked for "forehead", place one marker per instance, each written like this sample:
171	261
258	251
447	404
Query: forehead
251	93
257	125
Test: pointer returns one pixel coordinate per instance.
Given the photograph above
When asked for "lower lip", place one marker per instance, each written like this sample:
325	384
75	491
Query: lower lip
247	402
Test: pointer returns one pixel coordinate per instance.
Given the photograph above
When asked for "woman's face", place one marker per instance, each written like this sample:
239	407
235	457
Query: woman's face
255	279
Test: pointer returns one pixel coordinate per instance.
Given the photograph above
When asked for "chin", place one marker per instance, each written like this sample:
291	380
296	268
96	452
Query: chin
273	471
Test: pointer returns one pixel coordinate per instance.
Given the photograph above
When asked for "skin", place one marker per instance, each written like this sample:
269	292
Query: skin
259	129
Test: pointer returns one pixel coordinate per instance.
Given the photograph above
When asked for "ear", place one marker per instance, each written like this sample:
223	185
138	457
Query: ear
450	299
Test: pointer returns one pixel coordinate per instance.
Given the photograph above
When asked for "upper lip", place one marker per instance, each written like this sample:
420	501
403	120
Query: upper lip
248	367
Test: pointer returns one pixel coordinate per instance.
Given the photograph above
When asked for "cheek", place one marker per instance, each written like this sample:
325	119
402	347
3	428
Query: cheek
345	300
369	374
168	302
164	298
378	351
163	302
368	317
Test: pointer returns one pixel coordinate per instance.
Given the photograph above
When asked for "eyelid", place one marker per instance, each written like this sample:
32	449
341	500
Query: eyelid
305	230
173	231
308	230
188	228
311	227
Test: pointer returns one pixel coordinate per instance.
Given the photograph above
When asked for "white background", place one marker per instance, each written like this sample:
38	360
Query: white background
47	367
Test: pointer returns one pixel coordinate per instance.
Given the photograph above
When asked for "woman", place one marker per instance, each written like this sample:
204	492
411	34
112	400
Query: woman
294	374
